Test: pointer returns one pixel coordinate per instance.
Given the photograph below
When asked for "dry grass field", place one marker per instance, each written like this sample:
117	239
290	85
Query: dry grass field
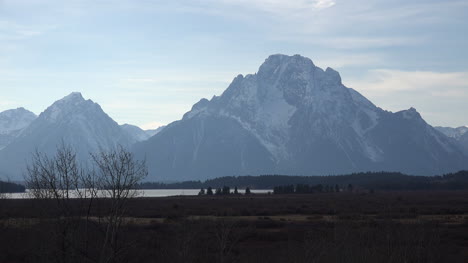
413	226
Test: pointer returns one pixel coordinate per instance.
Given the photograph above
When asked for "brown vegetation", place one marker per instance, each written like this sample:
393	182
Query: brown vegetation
334	227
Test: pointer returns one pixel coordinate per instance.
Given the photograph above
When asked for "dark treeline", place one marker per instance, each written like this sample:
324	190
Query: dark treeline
177	185
226	190
7	187
368	180
306	189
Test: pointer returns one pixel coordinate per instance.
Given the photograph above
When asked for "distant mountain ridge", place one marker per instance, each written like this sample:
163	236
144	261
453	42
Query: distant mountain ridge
292	117
80	123
455	133
460	134
138	134
12	122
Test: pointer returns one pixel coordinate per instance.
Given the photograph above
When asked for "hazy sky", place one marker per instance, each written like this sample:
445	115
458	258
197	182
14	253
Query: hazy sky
147	62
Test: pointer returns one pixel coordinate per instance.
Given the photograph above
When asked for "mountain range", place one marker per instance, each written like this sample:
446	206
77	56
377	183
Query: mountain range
80	123
291	117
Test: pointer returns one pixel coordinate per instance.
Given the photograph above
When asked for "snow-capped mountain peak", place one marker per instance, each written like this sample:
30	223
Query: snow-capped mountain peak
80	123
72	104
296	118
411	114
73	96
285	89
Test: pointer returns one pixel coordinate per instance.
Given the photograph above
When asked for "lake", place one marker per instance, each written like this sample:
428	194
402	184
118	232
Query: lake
155	193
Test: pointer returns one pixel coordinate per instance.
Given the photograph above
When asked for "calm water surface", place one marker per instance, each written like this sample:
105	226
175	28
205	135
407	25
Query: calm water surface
153	193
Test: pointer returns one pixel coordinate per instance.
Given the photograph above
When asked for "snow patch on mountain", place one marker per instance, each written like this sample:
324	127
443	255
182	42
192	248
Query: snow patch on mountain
66	106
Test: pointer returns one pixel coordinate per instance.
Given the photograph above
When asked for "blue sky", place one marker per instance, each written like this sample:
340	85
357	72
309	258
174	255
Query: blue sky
147	62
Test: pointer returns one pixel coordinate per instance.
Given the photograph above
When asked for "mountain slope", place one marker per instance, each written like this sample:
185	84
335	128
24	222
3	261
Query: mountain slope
463	140
153	132
12	122
295	118
78	122
455	133
135	133
459	134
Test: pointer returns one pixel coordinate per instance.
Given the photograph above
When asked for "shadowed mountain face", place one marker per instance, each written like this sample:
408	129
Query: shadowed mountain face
77	122
295	118
464	142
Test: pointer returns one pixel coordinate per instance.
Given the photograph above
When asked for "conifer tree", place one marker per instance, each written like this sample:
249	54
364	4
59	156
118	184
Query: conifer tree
209	191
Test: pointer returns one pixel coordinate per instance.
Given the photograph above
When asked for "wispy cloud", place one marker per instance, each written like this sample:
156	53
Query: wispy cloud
439	96
281	6
386	80
12	31
352	42
355	24
180	76
320	4
340	60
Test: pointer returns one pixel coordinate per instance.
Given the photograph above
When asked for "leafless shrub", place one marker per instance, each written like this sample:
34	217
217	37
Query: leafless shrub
74	190
226	238
60	178
118	174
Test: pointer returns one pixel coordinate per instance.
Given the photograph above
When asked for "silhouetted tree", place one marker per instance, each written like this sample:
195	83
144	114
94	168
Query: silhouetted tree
247	190
226	190
302	189
118	174
209	191
284	189
60	178
202	192
320	188
236	191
